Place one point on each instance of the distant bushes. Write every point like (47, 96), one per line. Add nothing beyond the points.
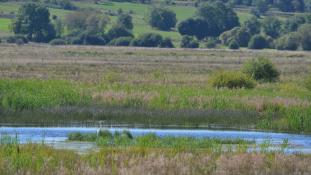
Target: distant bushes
(261, 69)
(148, 40)
(288, 42)
(122, 41)
(55, 42)
(258, 42)
(17, 39)
(231, 80)
(189, 42)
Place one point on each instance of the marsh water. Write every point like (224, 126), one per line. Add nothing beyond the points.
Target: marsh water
(57, 136)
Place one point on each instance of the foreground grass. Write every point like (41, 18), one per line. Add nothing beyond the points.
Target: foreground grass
(40, 159)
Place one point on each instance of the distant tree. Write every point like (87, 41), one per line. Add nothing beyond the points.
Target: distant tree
(219, 17)
(258, 42)
(288, 42)
(162, 18)
(252, 25)
(272, 26)
(293, 23)
(233, 44)
(148, 40)
(261, 6)
(92, 21)
(188, 42)
(167, 43)
(125, 20)
(117, 32)
(290, 5)
(238, 34)
(34, 22)
(305, 35)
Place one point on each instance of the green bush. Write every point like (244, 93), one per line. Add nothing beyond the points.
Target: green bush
(189, 42)
(261, 69)
(55, 42)
(234, 45)
(287, 42)
(122, 41)
(148, 40)
(167, 43)
(231, 79)
(16, 39)
(258, 42)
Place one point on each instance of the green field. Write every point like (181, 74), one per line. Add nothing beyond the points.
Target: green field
(4, 24)
(150, 86)
(140, 12)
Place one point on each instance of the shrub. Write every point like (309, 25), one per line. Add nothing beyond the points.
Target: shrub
(261, 69)
(305, 32)
(162, 18)
(231, 79)
(287, 42)
(125, 20)
(234, 45)
(148, 40)
(210, 43)
(15, 38)
(167, 43)
(55, 42)
(122, 41)
(258, 42)
(189, 42)
(117, 32)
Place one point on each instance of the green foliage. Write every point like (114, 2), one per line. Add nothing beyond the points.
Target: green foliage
(16, 38)
(34, 94)
(238, 34)
(34, 22)
(258, 42)
(162, 18)
(305, 35)
(252, 25)
(261, 69)
(290, 41)
(148, 40)
(62, 4)
(167, 43)
(272, 26)
(121, 41)
(234, 45)
(125, 20)
(231, 80)
(117, 32)
(55, 42)
(189, 42)
(85, 137)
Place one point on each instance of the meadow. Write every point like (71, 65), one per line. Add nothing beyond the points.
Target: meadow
(42, 84)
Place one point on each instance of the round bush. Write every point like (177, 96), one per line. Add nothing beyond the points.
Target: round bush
(167, 43)
(261, 69)
(287, 42)
(258, 42)
(231, 80)
(234, 45)
(122, 41)
(189, 42)
(148, 40)
(55, 42)
(17, 39)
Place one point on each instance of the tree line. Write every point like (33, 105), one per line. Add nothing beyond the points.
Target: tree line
(213, 24)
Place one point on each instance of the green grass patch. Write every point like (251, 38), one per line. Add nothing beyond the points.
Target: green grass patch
(33, 94)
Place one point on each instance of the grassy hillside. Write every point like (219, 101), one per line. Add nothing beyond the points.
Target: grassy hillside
(139, 14)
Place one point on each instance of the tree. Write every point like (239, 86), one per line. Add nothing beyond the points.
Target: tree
(288, 42)
(305, 35)
(258, 42)
(148, 40)
(125, 20)
(252, 25)
(261, 6)
(238, 34)
(195, 27)
(92, 21)
(34, 22)
(234, 44)
(117, 31)
(272, 26)
(188, 42)
(162, 18)
(219, 17)
(293, 23)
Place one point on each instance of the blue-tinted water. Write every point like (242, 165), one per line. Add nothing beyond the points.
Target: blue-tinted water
(54, 135)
